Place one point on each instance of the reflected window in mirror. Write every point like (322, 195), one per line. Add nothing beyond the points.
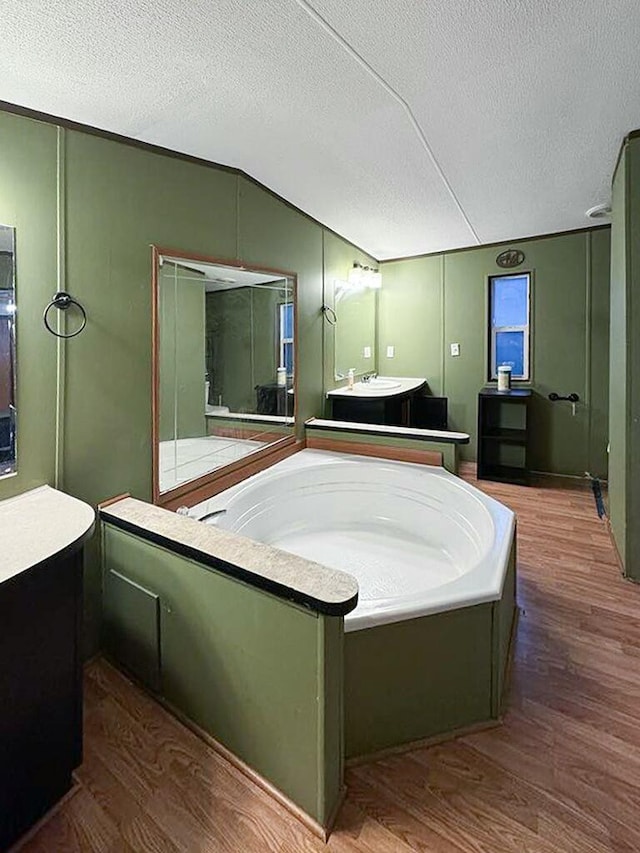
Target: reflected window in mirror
(285, 339)
(8, 422)
(224, 374)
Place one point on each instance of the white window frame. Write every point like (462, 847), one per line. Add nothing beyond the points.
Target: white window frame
(525, 328)
(282, 340)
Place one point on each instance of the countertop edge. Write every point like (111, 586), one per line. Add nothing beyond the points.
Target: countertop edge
(409, 433)
(249, 576)
(86, 528)
(411, 384)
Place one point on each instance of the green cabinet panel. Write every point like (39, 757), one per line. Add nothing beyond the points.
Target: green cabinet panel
(418, 678)
(261, 675)
(132, 626)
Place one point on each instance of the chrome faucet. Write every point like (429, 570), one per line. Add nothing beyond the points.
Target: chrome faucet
(367, 377)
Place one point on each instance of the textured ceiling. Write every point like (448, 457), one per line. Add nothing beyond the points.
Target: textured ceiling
(408, 126)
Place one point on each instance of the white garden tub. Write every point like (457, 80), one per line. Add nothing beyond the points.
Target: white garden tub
(418, 540)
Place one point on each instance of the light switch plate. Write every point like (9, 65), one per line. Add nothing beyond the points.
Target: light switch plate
(455, 349)
(366, 353)
(391, 351)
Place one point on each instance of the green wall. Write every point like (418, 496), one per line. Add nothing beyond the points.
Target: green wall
(28, 202)
(339, 257)
(624, 425)
(355, 329)
(430, 302)
(117, 201)
(181, 310)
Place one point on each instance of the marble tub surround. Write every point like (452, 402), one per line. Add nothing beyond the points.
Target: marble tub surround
(38, 525)
(390, 386)
(318, 587)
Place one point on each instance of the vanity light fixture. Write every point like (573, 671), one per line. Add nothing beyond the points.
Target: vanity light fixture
(363, 276)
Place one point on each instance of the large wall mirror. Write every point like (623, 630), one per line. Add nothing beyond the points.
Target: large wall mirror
(224, 371)
(8, 459)
(355, 329)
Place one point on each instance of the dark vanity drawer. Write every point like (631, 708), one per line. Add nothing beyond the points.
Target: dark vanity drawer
(388, 411)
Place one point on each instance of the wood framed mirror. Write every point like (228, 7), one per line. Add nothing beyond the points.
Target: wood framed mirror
(8, 411)
(224, 369)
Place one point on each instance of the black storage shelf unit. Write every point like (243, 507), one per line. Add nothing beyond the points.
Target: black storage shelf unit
(503, 435)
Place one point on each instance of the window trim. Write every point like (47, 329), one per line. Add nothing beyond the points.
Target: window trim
(282, 341)
(525, 329)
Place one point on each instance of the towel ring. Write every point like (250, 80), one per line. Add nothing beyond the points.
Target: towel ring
(63, 301)
(327, 310)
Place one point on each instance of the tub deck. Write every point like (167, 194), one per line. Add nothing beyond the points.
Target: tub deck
(572, 717)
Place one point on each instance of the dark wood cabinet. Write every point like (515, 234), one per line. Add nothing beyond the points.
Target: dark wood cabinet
(40, 654)
(40, 691)
(389, 411)
(274, 399)
(503, 435)
(418, 410)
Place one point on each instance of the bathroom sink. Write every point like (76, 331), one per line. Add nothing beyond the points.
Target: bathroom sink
(381, 384)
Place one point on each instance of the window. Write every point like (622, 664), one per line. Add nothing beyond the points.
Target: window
(509, 324)
(285, 336)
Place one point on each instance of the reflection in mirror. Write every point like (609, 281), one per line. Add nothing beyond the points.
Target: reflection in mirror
(225, 366)
(7, 352)
(355, 330)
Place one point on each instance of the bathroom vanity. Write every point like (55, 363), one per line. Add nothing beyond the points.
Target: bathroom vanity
(388, 400)
(42, 533)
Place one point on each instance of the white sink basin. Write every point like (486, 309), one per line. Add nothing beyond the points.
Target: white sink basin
(380, 384)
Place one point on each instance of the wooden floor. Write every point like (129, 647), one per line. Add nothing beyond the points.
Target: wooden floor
(562, 774)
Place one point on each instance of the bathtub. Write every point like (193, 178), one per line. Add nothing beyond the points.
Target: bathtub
(418, 539)
(426, 647)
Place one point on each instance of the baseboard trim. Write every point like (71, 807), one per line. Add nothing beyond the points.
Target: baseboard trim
(269, 788)
(310, 823)
(619, 560)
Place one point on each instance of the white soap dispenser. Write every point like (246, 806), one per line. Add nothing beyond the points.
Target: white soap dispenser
(351, 374)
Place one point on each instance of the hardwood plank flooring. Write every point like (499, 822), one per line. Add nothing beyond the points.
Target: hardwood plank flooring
(561, 774)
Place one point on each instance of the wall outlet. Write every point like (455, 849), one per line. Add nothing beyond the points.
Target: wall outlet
(391, 351)
(455, 349)
(366, 352)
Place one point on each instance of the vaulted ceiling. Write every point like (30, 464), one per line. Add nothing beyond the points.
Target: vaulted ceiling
(407, 126)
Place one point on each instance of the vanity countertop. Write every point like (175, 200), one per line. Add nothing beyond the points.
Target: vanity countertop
(379, 388)
(318, 587)
(39, 524)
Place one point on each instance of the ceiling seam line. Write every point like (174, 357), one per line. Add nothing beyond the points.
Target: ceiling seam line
(317, 17)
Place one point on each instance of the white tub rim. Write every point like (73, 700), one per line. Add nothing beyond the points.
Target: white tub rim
(488, 575)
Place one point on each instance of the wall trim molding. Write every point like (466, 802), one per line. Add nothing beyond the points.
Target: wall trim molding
(513, 242)
(69, 124)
